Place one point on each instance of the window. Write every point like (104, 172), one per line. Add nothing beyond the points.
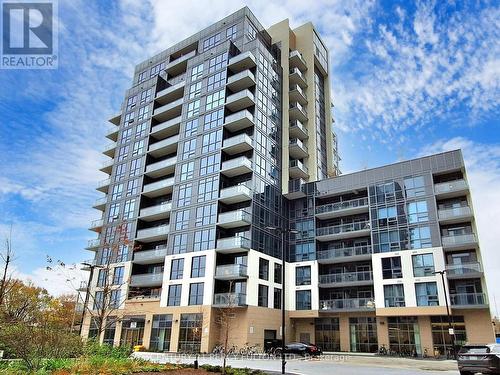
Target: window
(198, 266)
(187, 170)
(204, 239)
(174, 295)
(414, 186)
(114, 298)
(303, 275)
(157, 69)
(387, 215)
(143, 113)
(195, 90)
(132, 187)
(182, 220)
(126, 135)
(305, 251)
(206, 215)
(102, 278)
(189, 148)
(109, 331)
(394, 295)
(196, 294)
(252, 32)
(131, 102)
(277, 298)
(217, 80)
(120, 171)
(185, 192)
(214, 119)
(135, 167)
(420, 238)
(141, 77)
(193, 108)
(190, 333)
(231, 32)
(141, 130)
(303, 300)
(122, 254)
(105, 256)
(180, 244)
(161, 331)
(417, 212)
(209, 164)
(388, 241)
(391, 268)
(217, 62)
(423, 265)
(212, 141)
(263, 269)
(146, 96)
(263, 295)
(215, 100)
(123, 152)
(129, 117)
(277, 273)
(191, 127)
(118, 275)
(208, 189)
(177, 269)
(427, 294)
(129, 209)
(197, 72)
(98, 300)
(117, 192)
(211, 42)
(138, 148)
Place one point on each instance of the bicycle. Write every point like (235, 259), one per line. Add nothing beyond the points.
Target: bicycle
(382, 350)
(249, 349)
(218, 349)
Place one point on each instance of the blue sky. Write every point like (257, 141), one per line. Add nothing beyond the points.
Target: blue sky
(407, 79)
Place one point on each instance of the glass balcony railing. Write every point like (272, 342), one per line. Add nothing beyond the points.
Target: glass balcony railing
(460, 239)
(230, 299)
(343, 228)
(450, 213)
(338, 206)
(346, 277)
(147, 279)
(346, 304)
(150, 255)
(233, 243)
(450, 187)
(231, 270)
(468, 299)
(463, 269)
(344, 252)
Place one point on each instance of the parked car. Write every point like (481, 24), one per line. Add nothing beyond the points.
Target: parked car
(300, 348)
(479, 358)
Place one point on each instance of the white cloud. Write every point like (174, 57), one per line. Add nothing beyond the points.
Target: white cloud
(483, 173)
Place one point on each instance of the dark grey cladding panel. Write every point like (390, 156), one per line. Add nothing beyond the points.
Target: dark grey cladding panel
(438, 163)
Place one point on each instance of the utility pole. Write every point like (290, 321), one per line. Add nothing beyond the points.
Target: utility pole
(451, 331)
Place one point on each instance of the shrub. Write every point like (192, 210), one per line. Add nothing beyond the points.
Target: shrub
(92, 348)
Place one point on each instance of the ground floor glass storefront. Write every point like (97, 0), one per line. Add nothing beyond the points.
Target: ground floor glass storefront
(161, 332)
(440, 336)
(132, 330)
(404, 336)
(327, 332)
(190, 333)
(363, 334)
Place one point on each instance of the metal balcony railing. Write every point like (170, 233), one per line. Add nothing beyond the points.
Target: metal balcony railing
(468, 299)
(344, 252)
(338, 206)
(343, 228)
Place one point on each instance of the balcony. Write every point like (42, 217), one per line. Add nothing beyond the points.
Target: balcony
(100, 204)
(346, 254)
(231, 245)
(451, 189)
(109, 149)
(103, 185)
(167, 128)
(150, 256)
(297, 149)
(468, 300)
(164, 147)
(350, 207)
(107, 166)
(93, 245)
(179, 65)
(168, 111)
(112, 133)
(298, 130)
(237, 144)
(296, 189)
(161, 211)
(171, 93)
(96, 225)
(240, 81)
(464, 271)
(153, 234)
(243, 61)
(240, 100)
(296, 94)
(83, 287)
(231, 272)
(346, 279)
(454, 215)
(459, 242)
(297, 169)
(161, 168)
(336, 232)
(236, 167)
(238, 121)
(347, 304)
(297, 78)
(156, 189)
(147, 280)
(230, 300)
(235, 194)
(234, 219)
(297, 60)
(297, 112)
(116, 119)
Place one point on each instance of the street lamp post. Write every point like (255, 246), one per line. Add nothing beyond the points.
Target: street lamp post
(283, 232)
(450, 327)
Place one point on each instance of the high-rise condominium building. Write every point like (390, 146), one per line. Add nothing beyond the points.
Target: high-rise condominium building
(229, 133)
